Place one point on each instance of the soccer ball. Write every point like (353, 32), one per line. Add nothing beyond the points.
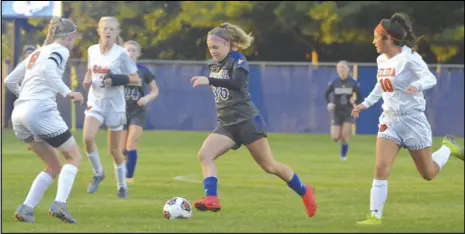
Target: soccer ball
(177, 208)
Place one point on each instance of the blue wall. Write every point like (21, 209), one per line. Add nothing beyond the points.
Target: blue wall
(289, 97)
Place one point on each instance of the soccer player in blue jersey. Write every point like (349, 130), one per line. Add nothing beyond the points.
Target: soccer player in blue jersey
(136, 102)
(342, 90)
(238, 120)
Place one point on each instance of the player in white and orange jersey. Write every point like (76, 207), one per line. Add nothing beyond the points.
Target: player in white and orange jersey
(402, 78)
(109, 69)
(37, 121)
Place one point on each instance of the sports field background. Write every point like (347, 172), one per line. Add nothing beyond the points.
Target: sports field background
(252, 200)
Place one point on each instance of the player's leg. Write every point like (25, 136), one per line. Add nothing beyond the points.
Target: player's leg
(47, 124)
(53, 130)
(387, 147)
(92, 122)
(25, 212)
(419, 141)
(136, 128)
(252, 134)
(215, 145)
(115, 122)
(346, 132)
(336, 125)
(124, 139)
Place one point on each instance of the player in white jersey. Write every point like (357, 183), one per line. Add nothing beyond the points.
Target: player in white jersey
(402, 78)
(37, 121)
(109, 69)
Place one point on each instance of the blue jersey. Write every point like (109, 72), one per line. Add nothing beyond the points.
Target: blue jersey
(342, 91)
(134, 92)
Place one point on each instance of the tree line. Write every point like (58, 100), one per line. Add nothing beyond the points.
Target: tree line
(283, 31)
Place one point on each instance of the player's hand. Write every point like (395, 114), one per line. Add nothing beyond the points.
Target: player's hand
(330, 107)
(76, 97)
(412, 90)
(199, 80)
(142, 101)
(107, 82)
(357, 109)
(86, 84)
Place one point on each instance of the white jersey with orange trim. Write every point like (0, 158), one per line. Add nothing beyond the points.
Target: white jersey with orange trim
(118, 62)
(394, 76)
(40, 74)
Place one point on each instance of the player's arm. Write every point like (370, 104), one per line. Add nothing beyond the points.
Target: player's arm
(16, 76)
(358, 97)
(88, 76)
(426, 79)
(149, 79)
(328, 91)
(50, 68)
(239, 74)
(129, 67)
(374, 96)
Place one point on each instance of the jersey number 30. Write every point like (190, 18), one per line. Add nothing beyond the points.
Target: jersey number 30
(386, 85)
(220, 93)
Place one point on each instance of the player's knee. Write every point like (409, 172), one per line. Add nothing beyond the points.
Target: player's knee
(428, 175)
(88, 140)
(269, 167)
(115, 151)
(53, 170)
(382, 171)
(335, 137)
(345, 139)
(70, 151)
(204, 156)
(131, 144)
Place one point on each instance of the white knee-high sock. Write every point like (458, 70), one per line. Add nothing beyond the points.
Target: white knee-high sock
(120, 172)
(65, 182)
(378, 196)
(441, 156)
(94, 160)
(38, 188)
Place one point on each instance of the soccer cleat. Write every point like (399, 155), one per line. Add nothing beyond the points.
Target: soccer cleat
(25, 214)
(211, 203)
(58, 210)
(371, 220)
(455, 148)
(130, 180)
(95, 182)
(309, 201)
(343, 158)
(123, 192)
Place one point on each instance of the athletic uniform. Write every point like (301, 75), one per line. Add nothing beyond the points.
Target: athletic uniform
(135, 114)
(342, 91)
(36, 117)
(403, 119)
(35, 114)
(108, 105)
(237, 116)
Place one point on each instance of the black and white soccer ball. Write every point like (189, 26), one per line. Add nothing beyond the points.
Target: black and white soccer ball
(177, 208)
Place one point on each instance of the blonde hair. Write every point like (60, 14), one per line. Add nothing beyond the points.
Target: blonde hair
(59, 28)
(344, 62)
(234, 34)
(119, 40)
(134, 43)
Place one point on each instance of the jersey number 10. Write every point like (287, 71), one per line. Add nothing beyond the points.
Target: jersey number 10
(386, 85)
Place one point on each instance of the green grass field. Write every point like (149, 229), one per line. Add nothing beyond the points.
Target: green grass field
(252, 200)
